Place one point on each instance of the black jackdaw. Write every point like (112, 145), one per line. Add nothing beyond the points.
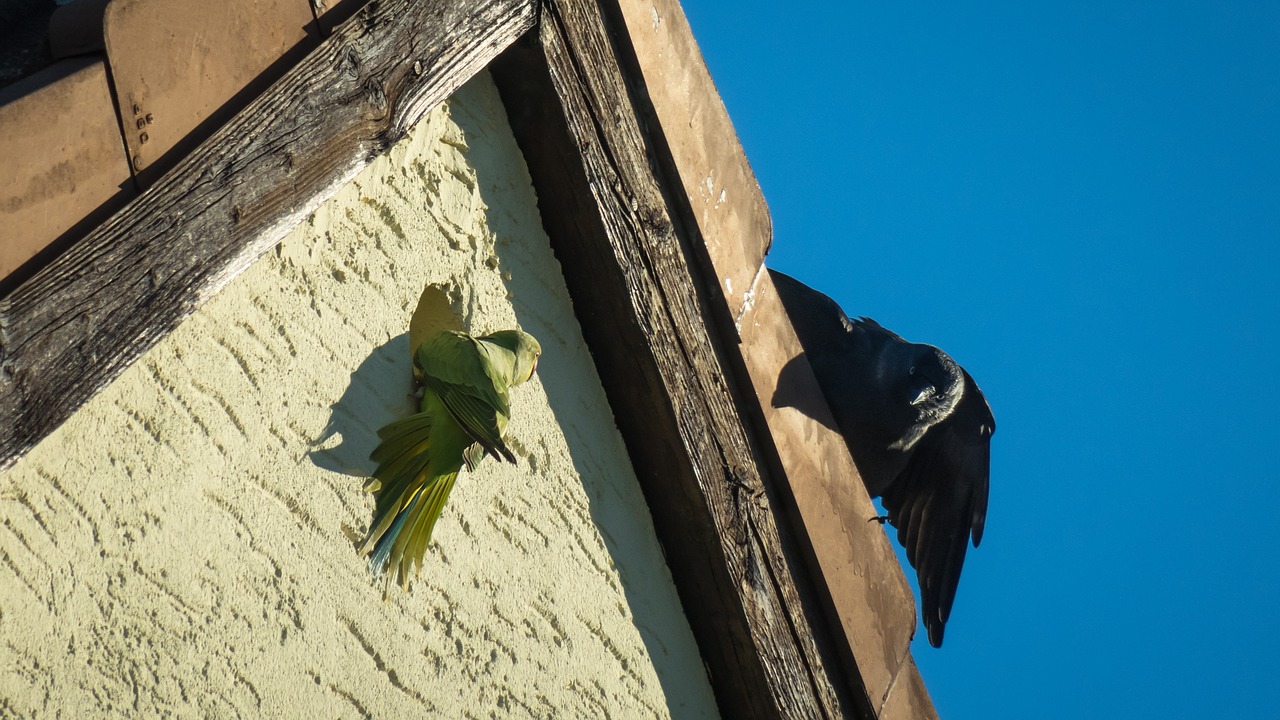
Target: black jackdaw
(918, 427)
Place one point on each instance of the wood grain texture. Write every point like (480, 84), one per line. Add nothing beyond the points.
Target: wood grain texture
(78, 323)
(644, 309)
(852, 564)
(725, 200)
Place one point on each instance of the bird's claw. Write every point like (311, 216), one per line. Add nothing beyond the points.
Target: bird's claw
(882, 519)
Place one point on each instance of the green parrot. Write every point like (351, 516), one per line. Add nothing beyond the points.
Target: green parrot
(462, 418)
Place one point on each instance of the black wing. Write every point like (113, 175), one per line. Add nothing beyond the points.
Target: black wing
(939, 502)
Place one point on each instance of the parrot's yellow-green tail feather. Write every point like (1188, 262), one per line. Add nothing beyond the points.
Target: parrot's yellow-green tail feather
(409, 545)
(403, 460)
(409, 499)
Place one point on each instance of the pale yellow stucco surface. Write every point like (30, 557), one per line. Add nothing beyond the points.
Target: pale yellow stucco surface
(185, 544)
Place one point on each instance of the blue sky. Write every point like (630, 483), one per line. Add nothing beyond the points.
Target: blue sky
(1081, 203)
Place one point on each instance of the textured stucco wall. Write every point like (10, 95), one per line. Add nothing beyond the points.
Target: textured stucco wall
(186, 542)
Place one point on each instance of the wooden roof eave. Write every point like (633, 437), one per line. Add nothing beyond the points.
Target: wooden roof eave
(663, 329)
(799, 611)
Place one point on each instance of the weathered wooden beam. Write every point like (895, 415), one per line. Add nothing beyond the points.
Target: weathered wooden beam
(722, 195)
(75, 325)
(613, 218)
(853, 569)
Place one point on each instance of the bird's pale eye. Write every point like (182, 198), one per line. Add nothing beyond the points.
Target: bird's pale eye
(912, 371)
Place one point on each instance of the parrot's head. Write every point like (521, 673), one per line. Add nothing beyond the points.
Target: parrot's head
(526, 349)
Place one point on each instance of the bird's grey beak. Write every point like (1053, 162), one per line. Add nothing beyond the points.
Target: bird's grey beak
(925, 392)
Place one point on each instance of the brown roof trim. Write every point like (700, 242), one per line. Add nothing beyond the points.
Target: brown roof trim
(799, 607)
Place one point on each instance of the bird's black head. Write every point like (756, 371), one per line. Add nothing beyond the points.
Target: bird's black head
(928, 389)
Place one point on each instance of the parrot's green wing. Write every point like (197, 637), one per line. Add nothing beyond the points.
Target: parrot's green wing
(471, 378)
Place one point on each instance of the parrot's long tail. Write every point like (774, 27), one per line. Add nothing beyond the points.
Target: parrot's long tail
(400, 549)
(411, 494)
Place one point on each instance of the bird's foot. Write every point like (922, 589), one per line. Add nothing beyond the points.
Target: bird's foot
(882, 519)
